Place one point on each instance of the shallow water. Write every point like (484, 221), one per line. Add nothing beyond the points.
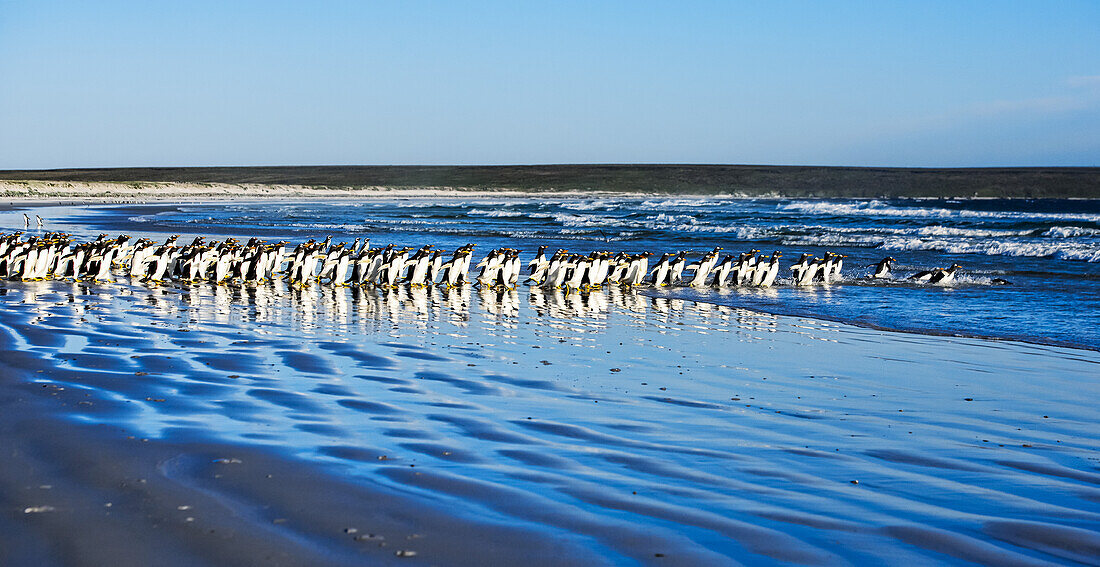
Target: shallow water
(638, 428)
(1048, 250)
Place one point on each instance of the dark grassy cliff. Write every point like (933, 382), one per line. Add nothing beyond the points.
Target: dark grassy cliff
(794, 181)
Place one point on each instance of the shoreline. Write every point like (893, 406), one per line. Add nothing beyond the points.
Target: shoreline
(666, 179)
(24, 192)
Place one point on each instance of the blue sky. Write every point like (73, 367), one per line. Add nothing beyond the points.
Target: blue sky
(139, 83)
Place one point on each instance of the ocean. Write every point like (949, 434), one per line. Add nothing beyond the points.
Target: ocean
(1048, 250)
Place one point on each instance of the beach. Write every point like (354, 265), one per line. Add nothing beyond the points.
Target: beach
(193, 423)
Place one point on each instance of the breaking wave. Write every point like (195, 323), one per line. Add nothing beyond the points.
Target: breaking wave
(882, 209)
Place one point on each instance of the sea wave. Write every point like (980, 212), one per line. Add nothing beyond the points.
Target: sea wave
(666, 204)
(879, 208)
(495, 213)
(1070, 232)
(1061, 251)
(671, 218)
(939, 230)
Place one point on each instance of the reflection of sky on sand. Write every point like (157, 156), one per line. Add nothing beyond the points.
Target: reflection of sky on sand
(699, 425)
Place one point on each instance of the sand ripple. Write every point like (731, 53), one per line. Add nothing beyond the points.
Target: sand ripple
(635, 428)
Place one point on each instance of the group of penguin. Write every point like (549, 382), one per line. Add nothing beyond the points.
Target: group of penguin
(56, 255)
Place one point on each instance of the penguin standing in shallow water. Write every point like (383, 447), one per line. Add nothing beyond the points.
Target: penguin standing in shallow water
(772, 270)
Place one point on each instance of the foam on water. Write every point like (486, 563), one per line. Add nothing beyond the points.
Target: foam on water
(879, 208)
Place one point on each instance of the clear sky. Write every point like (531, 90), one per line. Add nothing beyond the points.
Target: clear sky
(153, 83)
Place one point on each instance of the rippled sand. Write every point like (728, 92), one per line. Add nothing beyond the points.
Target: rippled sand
(267, 424)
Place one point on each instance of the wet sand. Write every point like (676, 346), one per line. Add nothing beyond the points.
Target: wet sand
(263, 424)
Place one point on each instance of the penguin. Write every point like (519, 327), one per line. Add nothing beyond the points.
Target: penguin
(340, 273)
(676, 269)
(452, 273)
(38, 219)
(772, 270)
(601, 267)
(838, 265)
(809, 273)
(539, 266)
(882, 268)
(580, 269)
(539, 261)
(702, 270)
(639, 266)
(924, 276)
(328, 267)
(467, 254)
(759, 271)
(26, 221)
(825, 272)
(746, 266)
(490, 265)
(509, 274)
(946, 276)
(557, 270)
(435, 264)
(661, 271)
(722, 271)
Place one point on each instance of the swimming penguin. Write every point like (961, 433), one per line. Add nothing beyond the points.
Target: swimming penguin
(26, 221)
(882, 268)
(946, 276)
(924, 276)
(38, 219)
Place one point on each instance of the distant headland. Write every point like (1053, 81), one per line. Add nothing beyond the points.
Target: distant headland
(738, 180)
